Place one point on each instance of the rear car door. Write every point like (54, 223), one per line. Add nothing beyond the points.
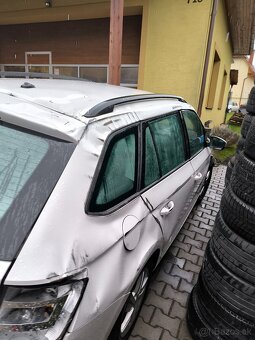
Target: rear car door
(167, 174)
(200, 154)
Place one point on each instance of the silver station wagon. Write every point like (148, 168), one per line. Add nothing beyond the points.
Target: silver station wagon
(95, 183)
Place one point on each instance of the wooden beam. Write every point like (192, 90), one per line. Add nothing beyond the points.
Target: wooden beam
(115, 44)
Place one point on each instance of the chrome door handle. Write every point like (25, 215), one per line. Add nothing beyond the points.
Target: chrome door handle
(167, 209)
(198, 176)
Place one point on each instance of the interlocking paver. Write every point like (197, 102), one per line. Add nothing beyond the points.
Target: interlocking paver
(163, 315)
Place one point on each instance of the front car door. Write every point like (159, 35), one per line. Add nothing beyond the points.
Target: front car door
(200, 154)
(167, 179)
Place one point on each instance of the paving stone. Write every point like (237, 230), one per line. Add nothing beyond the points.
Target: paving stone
(176, 271)
(185, 286)
(197, 251)
(189, 233)
(168, 278)
(167, 336)
(198, 230)
(147, 310)
(163, 321)
(174, 250)
(194, 243)
(200, 261)
(157, 301)
(178, 311)
(208, 233)
(180, 237)
(184, 333)
(183, 246)
(201, 238)
(206, 226)
(192, 267)
(174, 294)
(178, 261)
(146, 331)
(183, 254)
(157, 287)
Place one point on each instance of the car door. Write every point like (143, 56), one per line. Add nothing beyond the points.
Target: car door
(167, 174)
(200, 154)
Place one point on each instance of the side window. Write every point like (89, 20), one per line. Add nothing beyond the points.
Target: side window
(117, 179)
(151, 166)
(195, 131)
(169, 143)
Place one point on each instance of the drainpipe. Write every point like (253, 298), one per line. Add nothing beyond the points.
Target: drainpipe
(242, 91)
(207, 55)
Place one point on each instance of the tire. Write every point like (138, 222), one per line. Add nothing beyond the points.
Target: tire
(240, 145)
(250, 107)
(230, 166)
(125, 323)
(237, 295)
(246, 124)
(210, 320)
(234, 252)
(238, 215)
(243, 179)
(249, 149)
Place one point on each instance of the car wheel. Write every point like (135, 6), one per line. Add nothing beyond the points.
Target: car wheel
(126, 321)
(205, 186)
(240, 145)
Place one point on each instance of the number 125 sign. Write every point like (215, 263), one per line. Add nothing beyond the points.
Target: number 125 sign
(193, 1)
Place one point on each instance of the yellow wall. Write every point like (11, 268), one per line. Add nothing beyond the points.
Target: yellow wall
(245, 81)
(222, 45)
(174, 37)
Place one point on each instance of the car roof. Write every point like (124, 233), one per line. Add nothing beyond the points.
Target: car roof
(61, 108)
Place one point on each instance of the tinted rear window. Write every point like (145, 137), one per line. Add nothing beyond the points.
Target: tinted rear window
(30, 166)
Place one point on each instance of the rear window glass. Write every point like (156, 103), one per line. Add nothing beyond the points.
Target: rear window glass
(20, 155)
(30, 166)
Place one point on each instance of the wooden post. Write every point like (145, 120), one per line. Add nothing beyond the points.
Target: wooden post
(115, 44)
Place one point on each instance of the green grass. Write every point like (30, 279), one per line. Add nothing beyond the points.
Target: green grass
(225, 155)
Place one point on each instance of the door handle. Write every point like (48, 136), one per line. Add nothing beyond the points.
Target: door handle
(167, 209)
(198, 176)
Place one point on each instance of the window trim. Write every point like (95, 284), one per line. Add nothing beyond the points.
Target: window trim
(101, 166)
(187, 135)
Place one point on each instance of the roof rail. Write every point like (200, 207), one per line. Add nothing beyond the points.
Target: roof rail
(108, 105)
(10, 74)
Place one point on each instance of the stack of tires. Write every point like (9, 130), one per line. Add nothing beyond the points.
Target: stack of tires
(244, 131)
(222, 304)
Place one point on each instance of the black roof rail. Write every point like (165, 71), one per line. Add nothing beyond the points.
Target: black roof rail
(108, 105)
(11, 74)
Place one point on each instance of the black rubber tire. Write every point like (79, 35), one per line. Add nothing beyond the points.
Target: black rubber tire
(231, 291)
(235, 325)
(230, 166)
(116, 331)
(239, 216)
(246, 124)
(241, 144)
(208, 319)
(250, 107)
(234, 252)
(249, 148)
(243, 179)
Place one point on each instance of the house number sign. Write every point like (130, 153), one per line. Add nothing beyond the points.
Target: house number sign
(194, 1)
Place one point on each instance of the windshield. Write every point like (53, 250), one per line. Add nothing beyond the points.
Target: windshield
(30, 165)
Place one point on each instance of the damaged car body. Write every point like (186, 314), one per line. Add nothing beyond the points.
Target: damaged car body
(95, 183)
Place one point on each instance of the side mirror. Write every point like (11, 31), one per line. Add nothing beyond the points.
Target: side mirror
(217, 143)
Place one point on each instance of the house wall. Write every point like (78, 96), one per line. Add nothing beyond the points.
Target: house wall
(173, 45)
(222, 46)
(71, 42)
(240, 92)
